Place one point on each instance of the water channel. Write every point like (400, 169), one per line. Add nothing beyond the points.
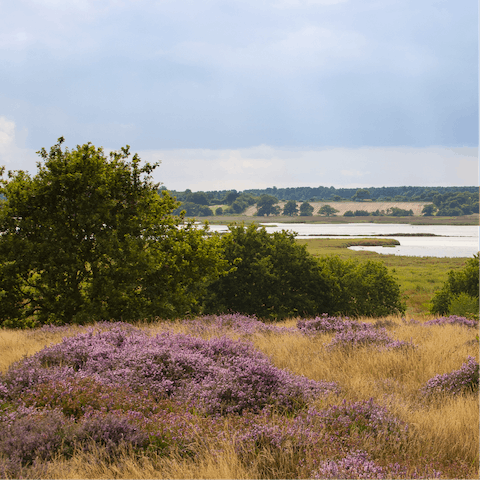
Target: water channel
(439, 240)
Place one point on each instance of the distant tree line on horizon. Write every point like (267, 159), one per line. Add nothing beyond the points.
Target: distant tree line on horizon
(446, 201)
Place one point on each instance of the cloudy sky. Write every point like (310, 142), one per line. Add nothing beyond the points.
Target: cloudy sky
(248, 93)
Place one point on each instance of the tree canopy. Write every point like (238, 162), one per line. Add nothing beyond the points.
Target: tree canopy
(266, 205)
(327, 210)
(290, 208)
(89, 237)
(306, 210)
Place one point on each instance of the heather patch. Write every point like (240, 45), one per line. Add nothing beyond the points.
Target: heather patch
(350, 333)
(233, 323)
(465, 379)
(453, 320)
(358, 464)
(364, 418)
(367, 337)
(217, 375)
(325, 324)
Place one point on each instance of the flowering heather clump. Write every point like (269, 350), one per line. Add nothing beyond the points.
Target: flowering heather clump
(453, 320)
(464, 379)
(28, 434)
(111, 430)
(359, 465)
(366, 337)
(240, 324)
(217, 375)
(329, 324)
(364, 418)
(78, 396)
(350, 332)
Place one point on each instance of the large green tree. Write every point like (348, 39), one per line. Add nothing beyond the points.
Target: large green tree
(89, 237)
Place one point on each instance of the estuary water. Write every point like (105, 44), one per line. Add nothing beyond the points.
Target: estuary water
(443, 240)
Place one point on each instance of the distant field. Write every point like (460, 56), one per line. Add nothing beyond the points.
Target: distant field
(343, 207)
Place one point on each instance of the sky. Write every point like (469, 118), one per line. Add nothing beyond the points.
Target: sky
(239, 94)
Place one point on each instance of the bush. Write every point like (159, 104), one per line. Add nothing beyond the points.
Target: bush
(361, 289)
(271, 276)
(460, 282)
(464, 305)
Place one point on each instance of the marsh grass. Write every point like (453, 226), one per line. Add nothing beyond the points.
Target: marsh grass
(443, 431)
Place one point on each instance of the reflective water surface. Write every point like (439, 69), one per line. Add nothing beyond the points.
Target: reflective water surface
(449, 240)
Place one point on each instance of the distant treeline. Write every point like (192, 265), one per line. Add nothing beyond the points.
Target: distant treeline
(312, 194)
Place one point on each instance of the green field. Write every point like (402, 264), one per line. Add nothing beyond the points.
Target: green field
(419, 277)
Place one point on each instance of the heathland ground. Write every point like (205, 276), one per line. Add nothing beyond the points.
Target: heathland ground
(428, 436)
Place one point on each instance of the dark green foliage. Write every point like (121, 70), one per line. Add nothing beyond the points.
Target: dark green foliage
(311, 194)
(199, 198)
(361, 289)
(193, 210)
(290, 208)
(306, 210)
(460, 282)
(327, 210)
(89, 237)
(429, 210)
(274, 276)
(361, 194)
(266, 206)
(455, 204)
(399, 212)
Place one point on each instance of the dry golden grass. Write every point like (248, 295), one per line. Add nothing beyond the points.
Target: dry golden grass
(443, 429)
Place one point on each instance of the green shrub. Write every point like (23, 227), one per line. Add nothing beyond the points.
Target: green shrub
(464, 305)
(464, 281)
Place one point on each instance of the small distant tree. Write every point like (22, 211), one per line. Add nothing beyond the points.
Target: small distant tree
(306, 210)
(219, 211)
(290, 208)
(349, 213)
(327, 210)
(199, 198)
(230, 197)
(266, 206)
(361, 194)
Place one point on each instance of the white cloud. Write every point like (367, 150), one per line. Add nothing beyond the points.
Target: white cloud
(13, 155)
